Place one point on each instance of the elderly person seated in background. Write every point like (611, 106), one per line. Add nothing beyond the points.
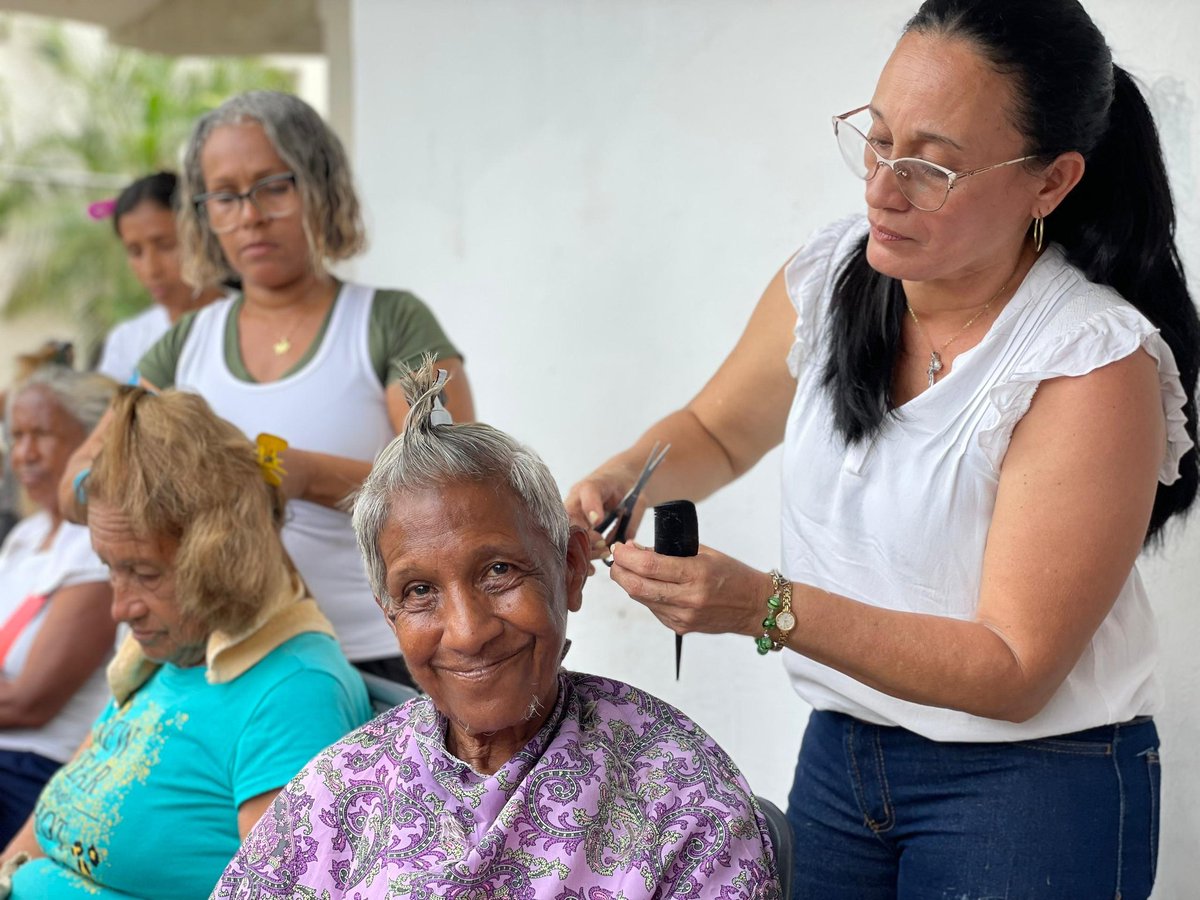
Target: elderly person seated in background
(229, 682)
(55, 628)
(514, 777)
(62, 353)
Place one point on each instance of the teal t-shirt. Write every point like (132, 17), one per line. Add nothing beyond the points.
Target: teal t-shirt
(150, 809)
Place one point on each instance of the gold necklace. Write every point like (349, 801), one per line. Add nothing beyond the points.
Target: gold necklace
(284, 344)
(935, 353)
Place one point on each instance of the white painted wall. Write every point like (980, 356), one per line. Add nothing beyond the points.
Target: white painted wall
(592, 194)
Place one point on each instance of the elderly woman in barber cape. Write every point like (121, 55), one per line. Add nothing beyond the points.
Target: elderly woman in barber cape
(513, 777)
(229, 682)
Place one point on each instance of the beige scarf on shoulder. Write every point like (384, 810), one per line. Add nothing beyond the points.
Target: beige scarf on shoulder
(289, 612)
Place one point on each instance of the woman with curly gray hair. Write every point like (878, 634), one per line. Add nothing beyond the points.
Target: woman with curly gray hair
(268, 198)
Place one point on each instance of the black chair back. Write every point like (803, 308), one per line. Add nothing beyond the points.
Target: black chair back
(781, 837)
(385, 694)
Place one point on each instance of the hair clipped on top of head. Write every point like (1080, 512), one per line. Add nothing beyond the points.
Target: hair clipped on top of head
(431, 452)
(427, 410)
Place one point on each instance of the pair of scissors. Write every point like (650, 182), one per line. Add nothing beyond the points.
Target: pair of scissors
(622, 513)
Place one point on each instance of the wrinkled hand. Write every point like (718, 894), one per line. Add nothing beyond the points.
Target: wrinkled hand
(8, 869)
(590, 499)
(709, 593)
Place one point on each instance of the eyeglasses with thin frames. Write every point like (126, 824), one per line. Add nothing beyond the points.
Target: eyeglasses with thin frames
(924, 184)
(274, 197)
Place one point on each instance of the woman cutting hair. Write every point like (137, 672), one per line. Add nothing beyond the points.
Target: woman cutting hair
(984, 388)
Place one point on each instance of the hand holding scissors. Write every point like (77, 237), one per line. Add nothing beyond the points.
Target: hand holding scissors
(622, 513)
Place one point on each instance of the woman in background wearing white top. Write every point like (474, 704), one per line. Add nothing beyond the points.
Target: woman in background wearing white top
(984, 391)
(55, 626)
(298, 354)
(144, 219)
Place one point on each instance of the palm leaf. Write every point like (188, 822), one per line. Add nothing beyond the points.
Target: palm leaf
(135, 113)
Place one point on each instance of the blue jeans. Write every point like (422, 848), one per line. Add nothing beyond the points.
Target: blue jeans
(884, 813)
(22, 777)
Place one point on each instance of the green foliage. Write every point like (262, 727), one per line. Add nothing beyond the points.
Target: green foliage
(132, 112)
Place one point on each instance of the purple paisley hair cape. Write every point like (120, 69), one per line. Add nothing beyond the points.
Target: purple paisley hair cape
(619, 796)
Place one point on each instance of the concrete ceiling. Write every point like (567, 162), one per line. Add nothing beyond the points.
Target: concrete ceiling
(194, 27)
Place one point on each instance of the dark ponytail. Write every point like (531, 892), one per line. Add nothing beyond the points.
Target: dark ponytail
(1117, 226)
(865, 319)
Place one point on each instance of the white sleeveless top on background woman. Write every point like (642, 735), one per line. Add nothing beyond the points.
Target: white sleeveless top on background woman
(901, 521)
(335, 404)
(27, 569)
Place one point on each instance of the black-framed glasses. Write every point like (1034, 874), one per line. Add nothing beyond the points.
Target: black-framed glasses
(274, 197)
(924, 184)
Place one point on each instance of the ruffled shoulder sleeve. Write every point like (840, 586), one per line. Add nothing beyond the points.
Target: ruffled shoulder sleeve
(809, 276)
(1092, 330)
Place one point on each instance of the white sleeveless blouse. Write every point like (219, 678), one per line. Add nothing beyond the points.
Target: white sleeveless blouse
(901, 521)
(334, 404)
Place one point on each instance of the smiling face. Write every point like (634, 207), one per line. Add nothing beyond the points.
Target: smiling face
(939, 100)
(479, 604)
(142, 574)
(269, 253)
(148, 234)
(44, 436)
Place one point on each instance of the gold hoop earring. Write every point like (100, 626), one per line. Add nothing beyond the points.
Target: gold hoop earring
(1039, 233)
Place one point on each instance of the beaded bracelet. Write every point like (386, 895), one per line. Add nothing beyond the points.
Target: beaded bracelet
(779, 615)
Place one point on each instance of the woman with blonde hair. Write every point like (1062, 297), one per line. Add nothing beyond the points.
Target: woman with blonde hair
(225, 648)
(268, 198)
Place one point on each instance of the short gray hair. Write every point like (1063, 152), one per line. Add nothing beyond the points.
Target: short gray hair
(84, 396)
(332, 215)
(427, 455)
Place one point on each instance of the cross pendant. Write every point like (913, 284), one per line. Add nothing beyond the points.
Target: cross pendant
(935, 366)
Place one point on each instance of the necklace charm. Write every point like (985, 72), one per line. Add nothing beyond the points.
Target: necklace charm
(935, 352)
(284, 344)
(935, 366)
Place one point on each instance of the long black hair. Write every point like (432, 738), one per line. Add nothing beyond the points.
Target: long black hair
(161, 189)
(1117, 226)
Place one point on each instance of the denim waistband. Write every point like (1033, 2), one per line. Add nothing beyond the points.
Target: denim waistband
(1102, 733)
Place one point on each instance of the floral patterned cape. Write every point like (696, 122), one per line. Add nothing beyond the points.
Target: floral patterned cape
(619, 796)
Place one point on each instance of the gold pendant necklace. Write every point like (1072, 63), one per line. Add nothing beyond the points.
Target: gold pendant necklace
(284, 344)
(935, 353)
